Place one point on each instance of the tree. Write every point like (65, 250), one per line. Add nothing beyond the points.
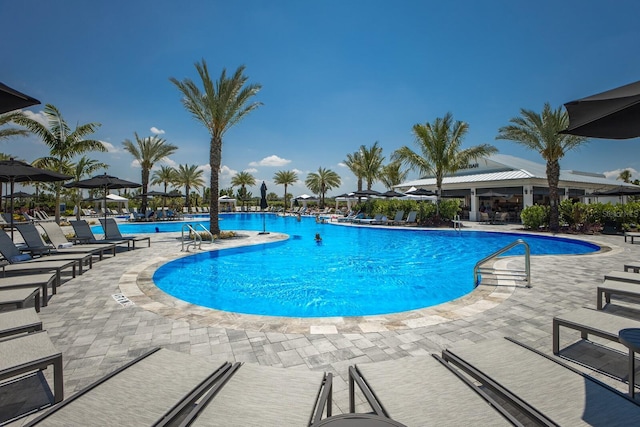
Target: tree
(166, 176)
(354, 163)
(82, 168)
(243, 179)
(321, 182)
(372, 159)
(541, 132)
(190, 177)
(6, 133)
(625, 176)
(392, 175)
(64, 144)
(147, 151)
(285, 178)
(218, 107)
(440, 153)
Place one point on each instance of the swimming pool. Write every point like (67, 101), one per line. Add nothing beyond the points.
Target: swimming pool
(355, 271)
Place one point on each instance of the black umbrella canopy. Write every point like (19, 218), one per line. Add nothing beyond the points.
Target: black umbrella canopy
(11, 99)
(421, 192)
(154, 193)
(614, 114)
(366, 193)
(17, 171)
(391, 193)
(263, 196)
(106, 183)
(18, 195)
(621, 190)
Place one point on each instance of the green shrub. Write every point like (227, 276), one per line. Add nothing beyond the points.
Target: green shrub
(534, 217)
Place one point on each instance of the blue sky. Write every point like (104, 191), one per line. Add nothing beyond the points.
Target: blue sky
(335, 74)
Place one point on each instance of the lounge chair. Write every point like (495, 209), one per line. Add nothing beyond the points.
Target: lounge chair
(266, 396)
(85, 235)
(376, 218)
(349, 217)
(632, 266)
(153, 389)
(36, 245)
(631, 235)
(31, 352)
(60, 242)
(591, 322)
(397, 218)
(622, 276)
(112, 232)
(27, 281)
(411, 218)
(422, 390)
(615, 287)
(542, 387)
(20, 297)
(18, 322)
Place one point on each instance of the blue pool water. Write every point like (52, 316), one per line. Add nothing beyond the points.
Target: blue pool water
(355, 271)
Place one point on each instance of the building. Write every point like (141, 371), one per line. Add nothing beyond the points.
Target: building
(508, 183)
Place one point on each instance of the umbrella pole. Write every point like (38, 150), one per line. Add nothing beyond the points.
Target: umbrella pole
(11, 212)
(104, 210)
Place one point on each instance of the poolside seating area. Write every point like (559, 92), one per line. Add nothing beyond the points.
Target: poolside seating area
(406, 383)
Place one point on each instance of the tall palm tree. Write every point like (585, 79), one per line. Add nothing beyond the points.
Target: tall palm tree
(285, 178)
(321, 182)
(82, 168)
(625, 176)
(355, 164)
(217, 107)
(243, 179)
(392, 175)
(190, 177)
(541, 132)
(440, 153)
(64, 144)
(5, 133)
(372, 159)
(147, 151)
(166, 176)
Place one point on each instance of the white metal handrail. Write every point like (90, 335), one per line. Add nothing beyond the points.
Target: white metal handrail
(206, 232)
(196, 241)
(527, 260)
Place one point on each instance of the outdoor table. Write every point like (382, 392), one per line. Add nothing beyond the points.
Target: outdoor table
(630, 337)
(359, 420)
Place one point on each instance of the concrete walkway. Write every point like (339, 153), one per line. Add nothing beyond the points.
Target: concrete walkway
(97, 332)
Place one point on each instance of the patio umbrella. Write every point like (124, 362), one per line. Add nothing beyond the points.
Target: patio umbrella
(17, 195)
(13, 171)
(391, 193)
(613, 114)
(366, 193)
(11, 99)
(621, 190)
(263, 206)
(106, 183)
(420, 192)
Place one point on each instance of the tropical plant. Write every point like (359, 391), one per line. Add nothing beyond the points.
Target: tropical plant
(242, 180)
(164, 176)
(321, 182)
(84, 167)
(541, 132)
(64, 144)
(392, 175)
(285, 178)
(355, 164)
(440, 150)
(625, 176)
(534, 217)
(190, 177)
(372, 159)
(147, 151)
(217, 107)
(6, 133)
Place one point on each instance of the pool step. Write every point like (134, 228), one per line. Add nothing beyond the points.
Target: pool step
(492, 276)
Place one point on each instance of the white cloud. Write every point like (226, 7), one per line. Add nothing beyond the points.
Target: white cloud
(342, 165)
(110, 147)
(156, 130)
(227, 172)
(38, 117)
(169, 162)
(135, 163)
(297, 171)
(251, 170)
(272, 160)
(206, 169)
(615, 173)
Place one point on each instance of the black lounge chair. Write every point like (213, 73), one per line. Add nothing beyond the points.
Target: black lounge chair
(112, 232)
(154, 389)
(85, 235)
(28, 281)
(60, 242)
(19, 322)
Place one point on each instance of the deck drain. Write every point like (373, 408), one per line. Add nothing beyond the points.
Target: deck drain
(122, 300)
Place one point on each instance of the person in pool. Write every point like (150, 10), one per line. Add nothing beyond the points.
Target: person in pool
(318, 238)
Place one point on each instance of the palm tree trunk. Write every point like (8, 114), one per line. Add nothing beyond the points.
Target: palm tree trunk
(215, 158)
(285, 196)
(145, 186)
(553, 176)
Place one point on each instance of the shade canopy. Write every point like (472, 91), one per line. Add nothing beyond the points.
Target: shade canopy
(11, 99)
(263, 196)
(366, 193)
(621, 190)
(391, 193)
(420, 192)
(614, 114)
(18, 195)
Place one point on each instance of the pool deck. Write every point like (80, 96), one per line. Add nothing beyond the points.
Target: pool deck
(96, 333)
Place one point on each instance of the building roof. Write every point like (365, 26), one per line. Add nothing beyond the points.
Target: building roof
(502, 167)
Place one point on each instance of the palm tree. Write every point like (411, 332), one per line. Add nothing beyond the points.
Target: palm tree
(355, 164)
(371, 163)
(285, 178)
(83, 167)
(5, 119)
(189, 176)
(625, 176)
(321, 182)
(541, 132)
(440, 149)
(166, 176)
(147, 151)
(63, 143)
(392, 175)
(220, 106)
(243, 179)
